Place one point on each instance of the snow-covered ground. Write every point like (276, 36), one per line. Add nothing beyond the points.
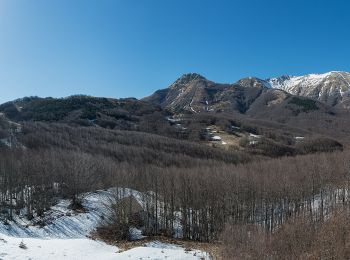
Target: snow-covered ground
(54, 249)
(61, 222)
(65, 235)
(86, 249)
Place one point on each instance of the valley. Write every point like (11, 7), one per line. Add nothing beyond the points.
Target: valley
(185, 173)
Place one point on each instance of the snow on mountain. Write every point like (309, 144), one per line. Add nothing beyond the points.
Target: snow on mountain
(331, 87)
(289, 82)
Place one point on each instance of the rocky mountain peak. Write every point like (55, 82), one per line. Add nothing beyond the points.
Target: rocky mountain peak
(187, 78)
(253, 82)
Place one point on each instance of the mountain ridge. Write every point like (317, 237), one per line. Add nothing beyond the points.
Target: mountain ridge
(331, 88)
(194, 93)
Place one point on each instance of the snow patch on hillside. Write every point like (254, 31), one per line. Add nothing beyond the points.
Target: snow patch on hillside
(72, 249)
(61, 222)
(43, 249)
(65, 234)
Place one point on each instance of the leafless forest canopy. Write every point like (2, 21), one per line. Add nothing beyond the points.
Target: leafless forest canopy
(276, 199)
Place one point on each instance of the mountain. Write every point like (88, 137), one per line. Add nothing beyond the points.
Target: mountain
(263, 105)
(82, 110)
(193, 108)
(195, 94)
(332, 88)
(192, 93)
(69, 166)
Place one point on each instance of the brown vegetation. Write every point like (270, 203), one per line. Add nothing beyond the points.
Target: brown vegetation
(212, 193)
(299, 238)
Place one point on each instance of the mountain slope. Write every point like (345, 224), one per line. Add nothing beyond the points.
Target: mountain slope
(195, 94)
(124, 113)
(252, 102)
(191, 104)
(332, 88)
(192, 93)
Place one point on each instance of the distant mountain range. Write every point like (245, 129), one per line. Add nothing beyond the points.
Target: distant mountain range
(315, 104)
(251, 96)
(194, 93)
(279, 99)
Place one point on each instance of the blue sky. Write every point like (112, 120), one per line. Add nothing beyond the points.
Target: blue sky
(122, 48)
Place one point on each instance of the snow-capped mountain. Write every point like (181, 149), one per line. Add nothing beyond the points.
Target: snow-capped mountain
(194, 93)
(332, 88)
(251, 96)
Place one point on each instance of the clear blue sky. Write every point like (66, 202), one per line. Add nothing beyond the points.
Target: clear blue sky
(122, 48)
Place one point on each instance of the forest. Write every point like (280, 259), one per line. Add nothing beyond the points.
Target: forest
(229, 197)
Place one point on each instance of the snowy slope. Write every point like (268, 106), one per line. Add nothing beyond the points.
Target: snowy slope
(55, 249)
(86, 249)
(65, 234)
(62, 222)
(331, 87)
